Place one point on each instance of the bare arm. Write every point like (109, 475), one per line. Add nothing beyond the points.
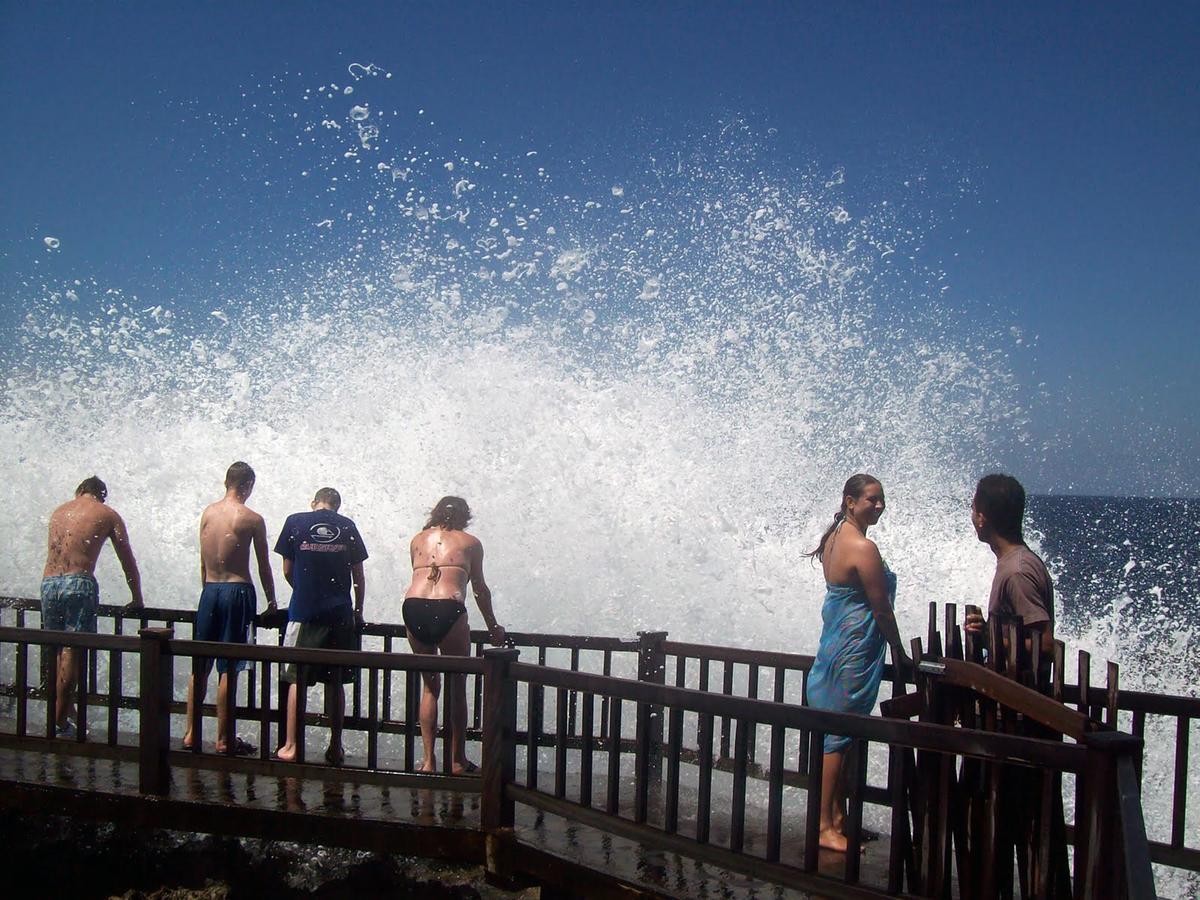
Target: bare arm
(869, 566)
(288, 566)
(483, 598)
(264, 562)
(360, 590)
(203, 570)
(120, 542)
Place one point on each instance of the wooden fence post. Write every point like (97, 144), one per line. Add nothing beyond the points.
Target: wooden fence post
(652, 668)
(1098, 831)
(157, 684)
(497, 812)
(499, 766)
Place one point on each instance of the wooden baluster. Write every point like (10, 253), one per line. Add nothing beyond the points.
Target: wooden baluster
(1060, 661)
(264, 711)
(301, 710)
(560, 741)
(737, 813)
(573, 713)
(82, 671)
(412, 694)
(752, 692)
(373, 718)
(1113, 694)
(197, 724)
(115, 684)
(812, 821)
(448, 691)
(23, 688)
(613, 803)
(604, 701)
(477, 713)
(775, 785)
(674, 748)
(727, 690)
(704, 778)
(1179, 794)
(1085, 682)
(585, 751)
(856, 773)
(387, 681)
(534, 707)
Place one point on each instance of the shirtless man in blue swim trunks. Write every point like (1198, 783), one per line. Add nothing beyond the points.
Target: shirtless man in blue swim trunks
(228, 529)
(70, 594)
(445, 559)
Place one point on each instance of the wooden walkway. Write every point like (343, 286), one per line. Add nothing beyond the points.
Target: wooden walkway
(316, 804)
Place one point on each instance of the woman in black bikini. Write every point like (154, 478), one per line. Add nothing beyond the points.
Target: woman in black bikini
(445, 559)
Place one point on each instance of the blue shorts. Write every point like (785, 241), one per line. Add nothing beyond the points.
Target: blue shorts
(69, 602)
(225, 613)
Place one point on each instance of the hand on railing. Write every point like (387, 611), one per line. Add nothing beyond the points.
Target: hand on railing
(133, 606)
(498, 636)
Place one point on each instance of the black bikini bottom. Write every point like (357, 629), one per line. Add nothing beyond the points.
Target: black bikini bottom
(429, 621)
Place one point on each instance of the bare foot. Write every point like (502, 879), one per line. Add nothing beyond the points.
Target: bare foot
(832, 839)
(428, 767)
(286, 754)
(466, 767)
(335, 756)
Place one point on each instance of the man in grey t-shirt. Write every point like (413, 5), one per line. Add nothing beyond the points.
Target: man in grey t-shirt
(1022, 585)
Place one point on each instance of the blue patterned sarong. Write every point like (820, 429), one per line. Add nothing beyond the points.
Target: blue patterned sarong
(849, 666)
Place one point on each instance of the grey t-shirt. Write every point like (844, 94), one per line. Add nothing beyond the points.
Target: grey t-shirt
(1022, 587)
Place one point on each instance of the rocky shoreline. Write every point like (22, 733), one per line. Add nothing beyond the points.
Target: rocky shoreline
(56, 856)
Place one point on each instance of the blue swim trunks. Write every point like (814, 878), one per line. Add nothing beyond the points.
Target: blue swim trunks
(69, 602)
(225, 613)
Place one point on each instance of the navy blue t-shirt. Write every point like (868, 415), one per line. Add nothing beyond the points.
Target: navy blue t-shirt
(322, 546)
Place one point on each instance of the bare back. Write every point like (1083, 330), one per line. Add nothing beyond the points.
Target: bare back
(847, 554)
(227, 532)
(78, 530)
(444, 563)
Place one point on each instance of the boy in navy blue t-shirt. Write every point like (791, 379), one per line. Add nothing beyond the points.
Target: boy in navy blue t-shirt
(322, 555)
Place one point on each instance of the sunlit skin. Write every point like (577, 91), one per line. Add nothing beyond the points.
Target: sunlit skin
(77, 532)
(459, 560)
(852, 559)
(228, 531)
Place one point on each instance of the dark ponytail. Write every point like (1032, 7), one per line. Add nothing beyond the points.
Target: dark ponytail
(854, 487)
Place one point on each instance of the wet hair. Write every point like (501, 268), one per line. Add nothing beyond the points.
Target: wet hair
(239, 475)
(328, 496)
(1001, 499)
(93, 486)
(855, 487)
(451, 513)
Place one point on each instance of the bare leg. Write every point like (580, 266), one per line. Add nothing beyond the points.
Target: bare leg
(832, 799)
(431, 689)
(458, 643)
(223, 708)
(288, 751)
(196, 693)
(68, 672)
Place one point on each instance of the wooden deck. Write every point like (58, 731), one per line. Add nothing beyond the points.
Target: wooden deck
(315, 804)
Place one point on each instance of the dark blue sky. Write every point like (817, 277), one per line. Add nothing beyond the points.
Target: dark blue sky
(1076, 127)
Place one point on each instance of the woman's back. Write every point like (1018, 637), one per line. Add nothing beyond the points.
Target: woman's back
(442, 561)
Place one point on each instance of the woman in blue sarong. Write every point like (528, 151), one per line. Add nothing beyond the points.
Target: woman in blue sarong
(857, 624)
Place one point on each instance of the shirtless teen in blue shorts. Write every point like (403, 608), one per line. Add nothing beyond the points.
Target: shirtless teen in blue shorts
(70, 594)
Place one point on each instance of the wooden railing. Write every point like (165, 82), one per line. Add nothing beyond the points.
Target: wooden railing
(734, 731)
